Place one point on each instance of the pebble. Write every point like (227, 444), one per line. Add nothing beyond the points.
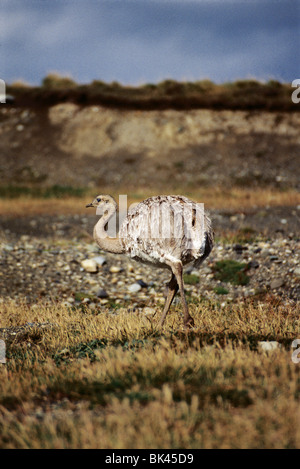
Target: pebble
(253, 265)
(100, 260)
(297, 271)
(89, 265)
(134, 288)
(8, 247)
(276, 283)
(149, 311)
(142, 283)
(114, 269)
(70, 299)
(239, 248)
(101, 293)
(269, 346)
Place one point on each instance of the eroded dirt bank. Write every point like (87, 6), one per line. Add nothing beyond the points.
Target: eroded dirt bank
(94, 146)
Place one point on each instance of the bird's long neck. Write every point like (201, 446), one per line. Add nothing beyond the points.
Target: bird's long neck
(100, 234)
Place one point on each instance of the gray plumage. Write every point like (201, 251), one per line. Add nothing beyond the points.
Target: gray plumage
(167, 231)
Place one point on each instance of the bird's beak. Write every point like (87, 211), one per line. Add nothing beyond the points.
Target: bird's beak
(89, 205)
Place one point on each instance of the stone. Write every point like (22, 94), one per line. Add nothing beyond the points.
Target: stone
(134, 288)
(297, 271)
(269, 346)
(101, 293)
(149, 311)
(89, 265)
(239, 248)
(100, 260)
(276, 283)
(114, 269)
(142, 283)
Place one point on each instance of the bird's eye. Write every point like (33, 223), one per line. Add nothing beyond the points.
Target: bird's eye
(98, 199)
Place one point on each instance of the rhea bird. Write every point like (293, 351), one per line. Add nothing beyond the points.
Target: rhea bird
(166, 231)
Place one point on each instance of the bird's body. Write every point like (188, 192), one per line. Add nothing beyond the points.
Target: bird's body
(164, 231)
(161, 228)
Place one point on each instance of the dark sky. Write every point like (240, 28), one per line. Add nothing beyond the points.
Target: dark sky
(143, 41)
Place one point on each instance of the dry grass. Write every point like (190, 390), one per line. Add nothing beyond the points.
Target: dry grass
(100, 380)
(214, 198)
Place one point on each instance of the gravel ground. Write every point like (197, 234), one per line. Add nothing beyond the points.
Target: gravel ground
(43, 258)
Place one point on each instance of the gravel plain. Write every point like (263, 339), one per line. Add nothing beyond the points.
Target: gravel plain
(55, 258)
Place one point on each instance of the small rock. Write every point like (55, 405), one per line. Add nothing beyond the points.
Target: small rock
(67, 304)
(273, 258)
(134, 288)
(114, 269)
(253, 264)
(102, 293)
(89, 265)
(239, 248)
(276, 283)
(149, 311)
(100, 260)
(269, 346)
(104, 301)
(8, 247)
(70, 299)
(297, 271)
(142, 283)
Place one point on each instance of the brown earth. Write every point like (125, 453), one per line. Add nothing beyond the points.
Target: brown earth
(94, 147)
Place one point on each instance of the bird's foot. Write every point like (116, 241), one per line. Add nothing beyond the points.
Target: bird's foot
(189, 322)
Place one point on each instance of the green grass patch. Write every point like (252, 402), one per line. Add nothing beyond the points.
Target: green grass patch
(190, 279)
(231, 271)
(221, 291)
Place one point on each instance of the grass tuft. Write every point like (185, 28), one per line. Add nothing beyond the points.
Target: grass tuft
(231, 271)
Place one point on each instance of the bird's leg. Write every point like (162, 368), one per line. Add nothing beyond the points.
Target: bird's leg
(177, 271)
(172, 290)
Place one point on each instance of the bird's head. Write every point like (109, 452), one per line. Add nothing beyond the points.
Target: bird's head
(103, 203)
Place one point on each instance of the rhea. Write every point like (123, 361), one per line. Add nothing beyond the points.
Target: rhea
(166, 231)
